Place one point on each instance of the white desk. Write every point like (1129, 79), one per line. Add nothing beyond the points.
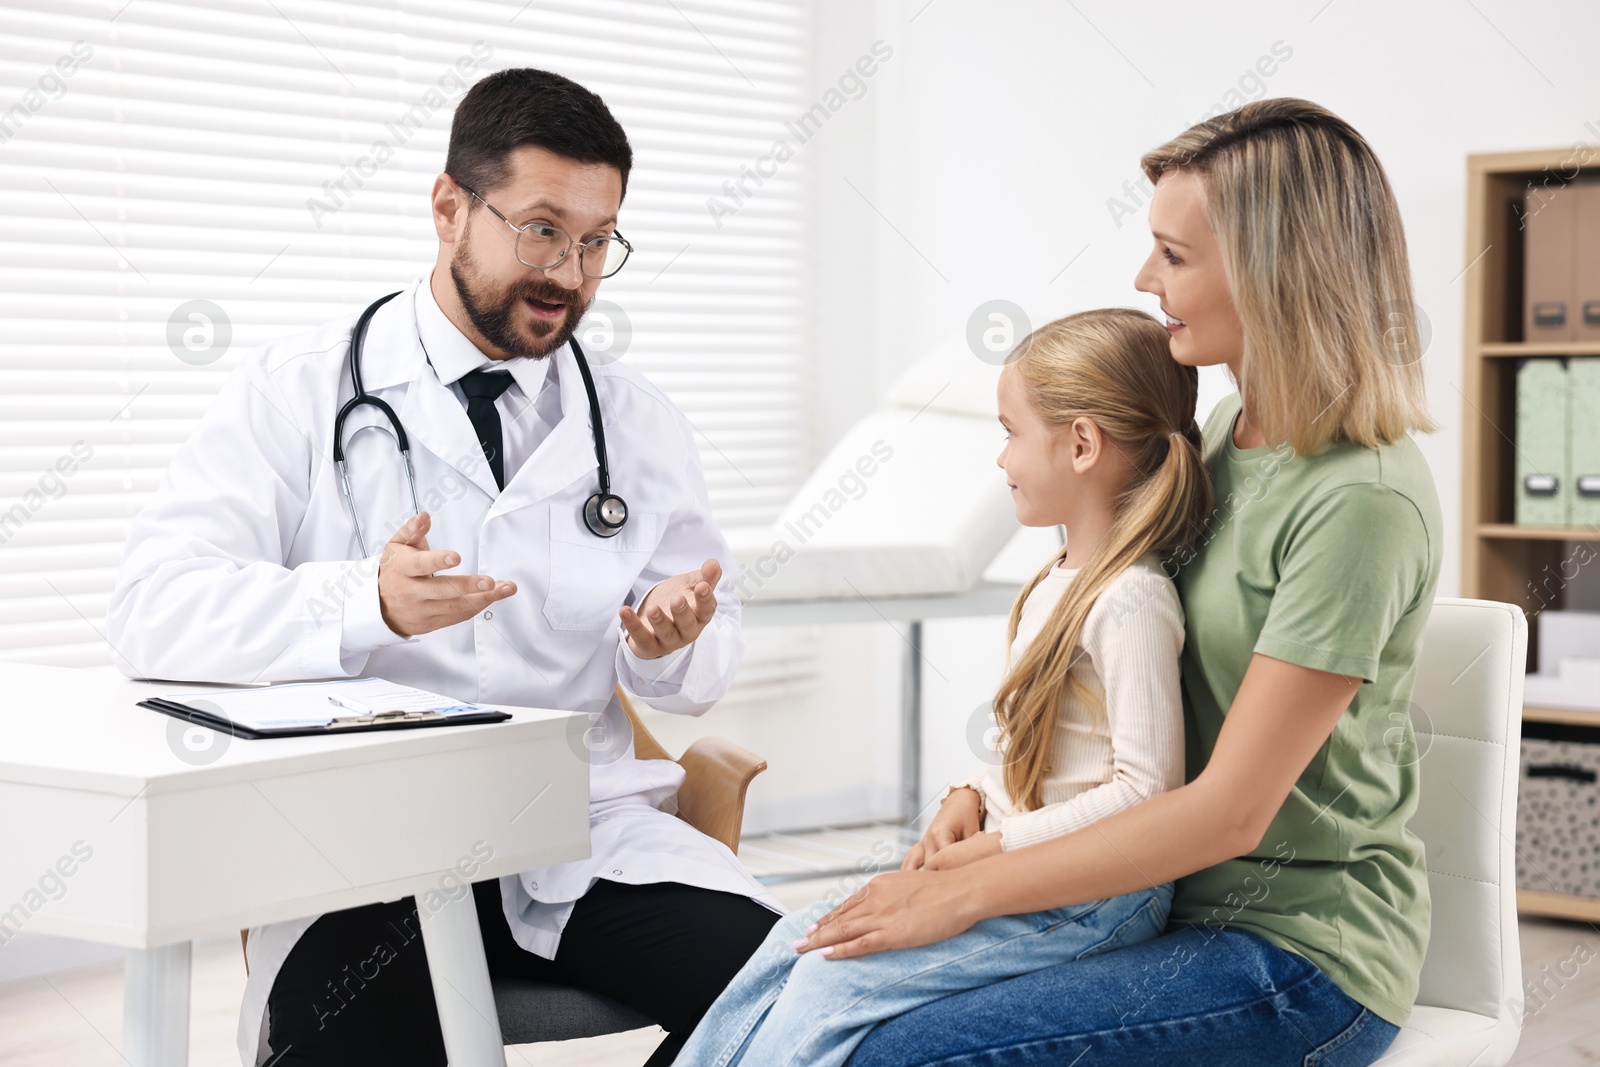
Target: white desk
(180, 848)
(987, 598)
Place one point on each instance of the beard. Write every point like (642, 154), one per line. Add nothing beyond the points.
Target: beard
(494, 311)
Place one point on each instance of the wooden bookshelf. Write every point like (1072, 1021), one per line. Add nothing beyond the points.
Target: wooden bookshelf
(1499, 559)
(1521, 349)
(1558, 905)
(1507, 531)
(1569, 716)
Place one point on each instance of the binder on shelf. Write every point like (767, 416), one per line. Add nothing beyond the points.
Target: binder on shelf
(1587, 295)
(1543, 484)
(1583, 438)
(1550, 236)
(353, 705)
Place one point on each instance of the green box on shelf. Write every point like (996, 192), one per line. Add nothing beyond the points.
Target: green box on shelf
(1583, 454)
(1543, 415)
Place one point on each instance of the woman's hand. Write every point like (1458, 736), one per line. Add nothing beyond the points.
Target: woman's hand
(957, 820)
(900, 909)
(964, 852)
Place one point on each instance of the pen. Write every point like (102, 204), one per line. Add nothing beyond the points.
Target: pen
(349, 705)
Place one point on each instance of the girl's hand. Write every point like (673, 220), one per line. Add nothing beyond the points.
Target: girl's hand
(964, 852)
(957, 820)
(901, 909)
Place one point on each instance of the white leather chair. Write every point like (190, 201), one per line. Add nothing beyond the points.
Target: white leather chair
(1467, 711)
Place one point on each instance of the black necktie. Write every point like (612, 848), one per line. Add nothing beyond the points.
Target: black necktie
(483, 388)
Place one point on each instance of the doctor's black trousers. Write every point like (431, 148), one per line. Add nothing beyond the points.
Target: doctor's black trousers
(355, 989)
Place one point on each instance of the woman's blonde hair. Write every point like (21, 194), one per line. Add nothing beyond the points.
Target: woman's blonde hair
(1315, 256)
(1113, 367)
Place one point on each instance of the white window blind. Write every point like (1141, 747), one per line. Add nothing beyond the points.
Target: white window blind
(274, 157)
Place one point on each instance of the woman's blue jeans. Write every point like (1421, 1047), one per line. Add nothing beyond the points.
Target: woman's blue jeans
(1219, 997)
(784, 1009)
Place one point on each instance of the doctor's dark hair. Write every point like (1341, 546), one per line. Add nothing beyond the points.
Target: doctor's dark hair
(525, 106)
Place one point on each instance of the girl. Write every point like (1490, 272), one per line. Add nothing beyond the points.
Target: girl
(1100, 438)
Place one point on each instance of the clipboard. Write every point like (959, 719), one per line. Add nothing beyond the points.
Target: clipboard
(361, 722)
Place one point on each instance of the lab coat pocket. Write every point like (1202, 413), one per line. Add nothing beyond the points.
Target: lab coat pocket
(590, 576)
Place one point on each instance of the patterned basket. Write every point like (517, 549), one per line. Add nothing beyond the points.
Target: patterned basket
(1558, 811)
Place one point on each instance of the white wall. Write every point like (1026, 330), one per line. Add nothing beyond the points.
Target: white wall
(994, 120)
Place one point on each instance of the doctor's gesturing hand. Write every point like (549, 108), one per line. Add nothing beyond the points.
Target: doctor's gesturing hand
(412, 600)
(673, 613)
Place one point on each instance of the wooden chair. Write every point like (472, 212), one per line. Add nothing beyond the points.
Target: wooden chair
(717, 775)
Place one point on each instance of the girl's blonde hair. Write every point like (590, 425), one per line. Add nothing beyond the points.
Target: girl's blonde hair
(1315, 256)
(1113, 367)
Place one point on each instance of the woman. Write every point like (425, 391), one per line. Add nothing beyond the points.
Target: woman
(1301, 914)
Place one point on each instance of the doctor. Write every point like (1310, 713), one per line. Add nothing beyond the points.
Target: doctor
(247, 567)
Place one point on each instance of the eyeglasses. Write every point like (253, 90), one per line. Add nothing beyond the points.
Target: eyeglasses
(543, 247)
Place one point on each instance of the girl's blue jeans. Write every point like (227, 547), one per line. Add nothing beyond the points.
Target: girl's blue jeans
(784, 1008)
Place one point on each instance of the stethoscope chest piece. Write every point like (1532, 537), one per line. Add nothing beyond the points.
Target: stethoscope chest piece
(605, 514)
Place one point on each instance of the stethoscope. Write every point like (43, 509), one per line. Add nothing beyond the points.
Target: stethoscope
(604, 513)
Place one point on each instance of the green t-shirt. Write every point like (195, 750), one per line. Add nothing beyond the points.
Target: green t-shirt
(1328, 562)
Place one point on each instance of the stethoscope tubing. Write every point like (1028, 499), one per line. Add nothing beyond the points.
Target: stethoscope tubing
(598, 510)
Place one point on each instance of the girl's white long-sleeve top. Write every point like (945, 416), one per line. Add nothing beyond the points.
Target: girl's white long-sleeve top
(1127, 655)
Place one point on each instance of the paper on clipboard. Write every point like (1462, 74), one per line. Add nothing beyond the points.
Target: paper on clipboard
(309, 704)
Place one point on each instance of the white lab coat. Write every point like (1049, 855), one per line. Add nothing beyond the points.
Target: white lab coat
(244, 568)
